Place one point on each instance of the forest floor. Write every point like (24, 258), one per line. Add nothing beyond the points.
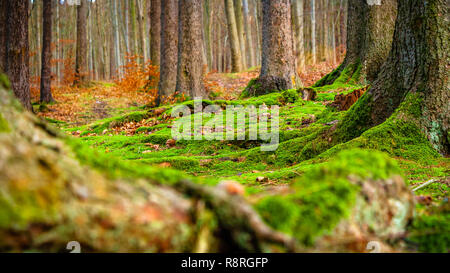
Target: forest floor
(117, 123)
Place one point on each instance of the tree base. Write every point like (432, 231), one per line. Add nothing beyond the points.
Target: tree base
(266, 85)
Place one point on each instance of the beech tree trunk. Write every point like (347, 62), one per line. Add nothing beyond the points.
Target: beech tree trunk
(418, 63)
(15, 48)
(370, 31)
(155, 32)
(278, 71)
(190, 49)
(240, 29)
(297, 19)
(81, 52)
(46, 79)
(233, 37)
(169, 49)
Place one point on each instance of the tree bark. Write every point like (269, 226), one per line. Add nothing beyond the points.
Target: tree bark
(278, 71)
(248, 35)
(233, 37)
(15, 52)
(370, 30)
(240, 30)
(190, 49)
(418, 64)
(297, 11)
(46, 77)
(141, 25)
(155, 40)
(81, 52)
(169, 49)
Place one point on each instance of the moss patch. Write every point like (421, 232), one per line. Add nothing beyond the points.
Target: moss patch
(324, 195)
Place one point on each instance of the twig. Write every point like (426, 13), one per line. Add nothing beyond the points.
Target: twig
(425, 184)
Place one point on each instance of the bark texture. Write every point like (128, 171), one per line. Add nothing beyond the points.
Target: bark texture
(169, 49)
(190, 49)
(15, 48)
(418, 63)
(155, 32)
(233, 37)
(81, 52)
(46, 71)
(370, 30)
(278, 71)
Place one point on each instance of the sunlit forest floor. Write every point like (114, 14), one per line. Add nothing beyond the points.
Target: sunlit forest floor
(119, 122)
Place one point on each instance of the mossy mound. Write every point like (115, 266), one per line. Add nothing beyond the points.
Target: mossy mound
(327, 194)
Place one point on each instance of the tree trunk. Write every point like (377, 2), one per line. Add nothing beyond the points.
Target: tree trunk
(169, 49)
(133, 30)
(418, 64)
(46, 77)
(236, 57)
(15, 52)
(251, 60)
(413, 85)
(370, 30)
(141, 26)
(190, 49)
(297, 11)
(155, 40)
(240, 30)
(313, 32)
(278, 71)
(81, 54)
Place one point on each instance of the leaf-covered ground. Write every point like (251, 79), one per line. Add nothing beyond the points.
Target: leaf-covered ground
(126, 129)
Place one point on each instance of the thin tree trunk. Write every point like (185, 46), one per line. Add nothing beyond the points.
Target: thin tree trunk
(155, 40)
(297, 11)
(251, 60)
(236, 57)
(81, 54)
(190, 49)
(142, 40)
(313, 32)
(46, 72)
(240, 29)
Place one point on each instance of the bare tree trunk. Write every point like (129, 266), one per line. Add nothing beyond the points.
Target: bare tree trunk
(236, 57)
(155, 40)
(251, 60)
(142, 40)
(81, 54)
(297, 11)
(169, 49)
(133, 31)
(313, 32)
(46, 77)
(278, 71)
(240, 29)
(16, 49)
(190, 49)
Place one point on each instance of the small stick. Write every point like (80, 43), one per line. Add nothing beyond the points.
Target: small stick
(425, 184)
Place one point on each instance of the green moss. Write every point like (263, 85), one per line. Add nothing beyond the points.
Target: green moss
(431, 233)
(324, 195)
(99, 126)
(290, 96)
(355, 121)
(4, 127)
(4, 82)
